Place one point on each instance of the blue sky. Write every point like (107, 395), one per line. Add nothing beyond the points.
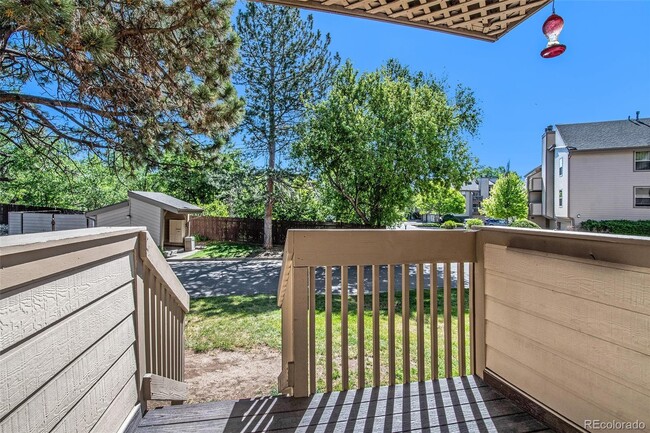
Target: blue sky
(603, 75)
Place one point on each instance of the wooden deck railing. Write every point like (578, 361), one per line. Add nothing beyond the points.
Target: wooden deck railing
(382, 255)
(558, 320)
(93, 317)
(162, 303)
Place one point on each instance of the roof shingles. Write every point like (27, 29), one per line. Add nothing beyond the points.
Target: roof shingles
(615, 134)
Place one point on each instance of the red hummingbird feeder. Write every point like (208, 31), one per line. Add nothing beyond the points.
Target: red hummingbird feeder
(552, 28)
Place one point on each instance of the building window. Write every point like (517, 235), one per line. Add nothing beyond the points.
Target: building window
(561, 198)
(642, 196)
(642, 160)
(561, 166)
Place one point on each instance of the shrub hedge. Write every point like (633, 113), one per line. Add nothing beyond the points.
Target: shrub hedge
(524, 223)
(619, 227)
(473, 222)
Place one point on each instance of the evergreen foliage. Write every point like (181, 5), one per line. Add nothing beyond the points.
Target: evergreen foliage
(286, 63)
(138, 77)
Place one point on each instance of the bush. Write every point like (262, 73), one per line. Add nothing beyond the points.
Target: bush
(450, 217)
(524, 223)
(473, 222)
(200, 238)
(619, 227)
(449, 225)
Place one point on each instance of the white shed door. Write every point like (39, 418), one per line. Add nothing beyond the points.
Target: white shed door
(176, 231)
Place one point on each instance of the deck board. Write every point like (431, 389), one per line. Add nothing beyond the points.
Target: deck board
(455, 405)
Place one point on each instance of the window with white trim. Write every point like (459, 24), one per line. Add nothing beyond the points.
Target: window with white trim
(642, 160)
(561, 198)
(642, 196)
(561, 166)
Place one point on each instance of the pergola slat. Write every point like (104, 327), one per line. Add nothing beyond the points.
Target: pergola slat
(482, 19)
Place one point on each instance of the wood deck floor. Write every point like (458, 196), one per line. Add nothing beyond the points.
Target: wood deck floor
(455, 405)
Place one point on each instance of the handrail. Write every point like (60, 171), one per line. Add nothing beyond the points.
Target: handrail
(158, 304)
(342, 252)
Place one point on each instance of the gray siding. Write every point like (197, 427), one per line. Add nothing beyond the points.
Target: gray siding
(602, 184)
(114, 218)
(147, 215)
(67, 350)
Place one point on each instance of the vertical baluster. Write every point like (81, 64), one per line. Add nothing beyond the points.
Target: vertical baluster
(447, 314)
(344, 328)
(312, 330)
(328, 328)
(375, 327)
(391, 325)
(406, 313)
(361, 351)
(147, 318)
(420, 320)
(471, 319)
(167, 336)
(460, 308)
(433, 311)
(172, 338)
(159, 327)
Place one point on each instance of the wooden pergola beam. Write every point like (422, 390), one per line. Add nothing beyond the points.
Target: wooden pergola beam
(481, 19)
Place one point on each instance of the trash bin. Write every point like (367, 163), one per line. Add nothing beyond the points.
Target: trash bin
(189, 243)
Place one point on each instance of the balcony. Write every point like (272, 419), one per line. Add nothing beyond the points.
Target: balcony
(92, 329)
(535, 184)
(535, 209)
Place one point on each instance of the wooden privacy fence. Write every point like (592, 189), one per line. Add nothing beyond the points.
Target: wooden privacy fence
(251, 230)
(376, 257)
(91, 327)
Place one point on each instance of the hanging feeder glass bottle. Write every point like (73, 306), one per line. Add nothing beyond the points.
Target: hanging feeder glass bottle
(552, 28)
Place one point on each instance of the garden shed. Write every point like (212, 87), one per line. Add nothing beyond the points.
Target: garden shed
(165, 217)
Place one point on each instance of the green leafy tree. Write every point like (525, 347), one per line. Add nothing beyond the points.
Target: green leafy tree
(381, 137)
(83, 182)
(285, 63)
(441, 200)
(134, 76)
(487, 171)
(508, 198)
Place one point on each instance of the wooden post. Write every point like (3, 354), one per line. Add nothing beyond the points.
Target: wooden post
(478, 307)
(300, 307)
(139, 318)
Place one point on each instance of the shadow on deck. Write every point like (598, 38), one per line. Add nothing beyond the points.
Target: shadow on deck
(461, 404)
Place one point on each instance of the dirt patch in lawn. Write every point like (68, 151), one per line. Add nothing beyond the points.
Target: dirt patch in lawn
(225, 375)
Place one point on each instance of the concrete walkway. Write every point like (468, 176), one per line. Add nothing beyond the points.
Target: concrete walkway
(259, 276)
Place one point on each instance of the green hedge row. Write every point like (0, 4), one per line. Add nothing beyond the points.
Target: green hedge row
(619, 227)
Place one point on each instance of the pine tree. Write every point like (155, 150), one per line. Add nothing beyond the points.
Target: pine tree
(285, 64)
(137, 76)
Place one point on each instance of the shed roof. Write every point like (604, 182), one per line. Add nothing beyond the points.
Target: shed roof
(482, 19)
(164, 201)
(115, 206)
(613, 134)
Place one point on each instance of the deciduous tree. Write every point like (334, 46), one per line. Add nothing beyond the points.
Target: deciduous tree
(508, 198)
(381, 137)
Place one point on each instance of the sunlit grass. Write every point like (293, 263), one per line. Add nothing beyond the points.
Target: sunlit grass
(223, 250)
(244, 322)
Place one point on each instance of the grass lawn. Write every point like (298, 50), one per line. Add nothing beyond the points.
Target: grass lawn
(223, 250)
(244, 322)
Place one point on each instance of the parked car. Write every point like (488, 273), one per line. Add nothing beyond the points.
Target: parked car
(495, 222)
